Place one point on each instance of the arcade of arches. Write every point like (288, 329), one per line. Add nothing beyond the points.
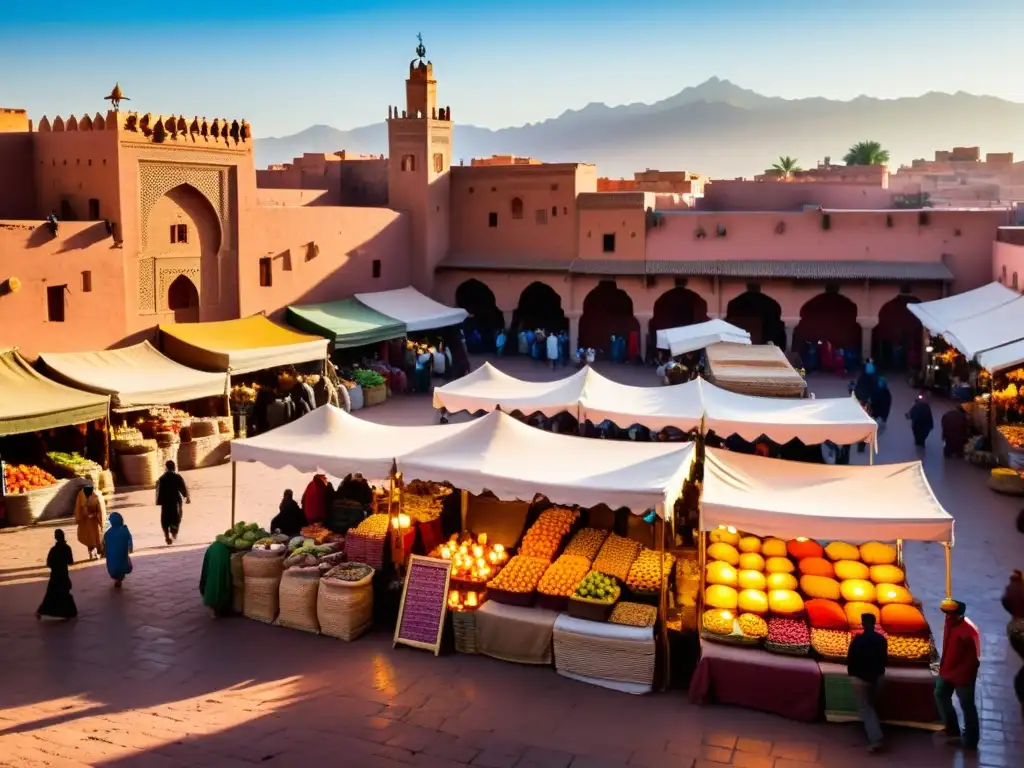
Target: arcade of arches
(893, 339)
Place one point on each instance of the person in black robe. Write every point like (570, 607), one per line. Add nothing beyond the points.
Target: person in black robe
(881, 402)
(954, 432)
(921, 420)
(290, 518)
(170, 491)
(58, 601)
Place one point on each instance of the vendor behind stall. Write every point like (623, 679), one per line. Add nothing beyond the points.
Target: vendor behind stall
(289, 519)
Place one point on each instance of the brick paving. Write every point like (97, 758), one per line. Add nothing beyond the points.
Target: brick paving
(145, 678)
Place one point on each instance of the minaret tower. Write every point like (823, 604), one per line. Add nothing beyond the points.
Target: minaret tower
(420, 152)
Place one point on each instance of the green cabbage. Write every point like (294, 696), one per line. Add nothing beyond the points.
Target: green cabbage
(225, 540)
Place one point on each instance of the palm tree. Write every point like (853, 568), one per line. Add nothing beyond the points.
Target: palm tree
(866, 153)
(787, 166)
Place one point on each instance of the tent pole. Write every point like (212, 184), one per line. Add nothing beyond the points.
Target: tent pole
(871, 456)
(662, 607)
(234, 489)
(949, 570)
(106, 439)
(463, 510)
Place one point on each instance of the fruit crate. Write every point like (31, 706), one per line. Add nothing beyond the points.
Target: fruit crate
(592, 610)
(520, 599)
(557, 603)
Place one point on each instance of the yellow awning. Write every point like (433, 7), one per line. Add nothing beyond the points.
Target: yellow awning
(240, 346)
(30, 402)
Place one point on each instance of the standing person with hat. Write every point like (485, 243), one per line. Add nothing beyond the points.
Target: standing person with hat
(170, 491)
(958, 673)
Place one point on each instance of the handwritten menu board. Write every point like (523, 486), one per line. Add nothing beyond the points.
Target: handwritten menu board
(424, 603)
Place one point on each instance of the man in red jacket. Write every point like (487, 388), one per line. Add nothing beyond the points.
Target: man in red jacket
(958, 673)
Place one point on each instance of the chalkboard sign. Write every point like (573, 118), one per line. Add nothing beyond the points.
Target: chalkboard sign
(424, 603)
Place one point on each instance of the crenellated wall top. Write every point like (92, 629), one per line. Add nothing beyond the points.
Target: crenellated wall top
(158, 129)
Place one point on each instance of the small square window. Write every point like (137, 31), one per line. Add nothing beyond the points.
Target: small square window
(179, 233)
(266, 272)
(554, 187)
(492, 219)
(376, 268)
(87, 281)
(55, 303)
(540, 216)
(554, 211)
(608, 243)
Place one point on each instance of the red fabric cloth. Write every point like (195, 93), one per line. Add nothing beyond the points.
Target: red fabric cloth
(961, 652)
(314, 500)
(633, 346)
(747, 677)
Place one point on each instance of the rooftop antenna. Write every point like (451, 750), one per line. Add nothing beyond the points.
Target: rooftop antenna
(116, 97)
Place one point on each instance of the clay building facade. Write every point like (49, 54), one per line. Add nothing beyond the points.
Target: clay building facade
(165, 218)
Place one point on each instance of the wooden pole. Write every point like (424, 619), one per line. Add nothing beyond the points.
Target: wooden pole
(463, 510)
(234, 489)
(662, 606)
(949, 570)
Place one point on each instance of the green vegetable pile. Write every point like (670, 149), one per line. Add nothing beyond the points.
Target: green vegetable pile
(242, 536)
(73, 462)
(368, 379)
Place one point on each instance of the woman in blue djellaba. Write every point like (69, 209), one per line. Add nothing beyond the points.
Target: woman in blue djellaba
(117, 542)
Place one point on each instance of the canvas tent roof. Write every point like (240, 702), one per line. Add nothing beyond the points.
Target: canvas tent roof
(135, 376)
(940, 315)
(999, 359)
(768, 497)
(514, 461)
(334, 442)
(589, 395)
(30, 402)
(996, 327)
(418, 312)
(239, 346)
(347, 323)
(687, 338)
(488, 389)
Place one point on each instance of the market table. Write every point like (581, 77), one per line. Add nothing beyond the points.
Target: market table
(511, 633)
(907, 696)
(609, 655)
(749, 677)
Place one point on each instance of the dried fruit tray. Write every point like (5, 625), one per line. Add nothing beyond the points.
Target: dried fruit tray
(733, 638)
(787, 649)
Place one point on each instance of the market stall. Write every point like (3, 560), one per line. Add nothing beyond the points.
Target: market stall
(488, 389)
(760, 369)
(792, 556)
(689, 338)
(144, 385)
(346, 324)
(940, 315)
(410, 307)
(32, 408)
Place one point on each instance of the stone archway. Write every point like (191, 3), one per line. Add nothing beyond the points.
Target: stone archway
(677, 307)
(828, 318)
(760, 316)
(607, 312)
(485, 319)
(896, 340)
(539, 306)
(183, 300)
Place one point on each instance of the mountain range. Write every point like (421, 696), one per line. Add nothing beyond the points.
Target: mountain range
(716, 128)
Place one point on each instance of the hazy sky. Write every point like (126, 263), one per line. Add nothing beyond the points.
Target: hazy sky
(287, 65)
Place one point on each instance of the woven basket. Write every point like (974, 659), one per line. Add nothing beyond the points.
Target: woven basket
(140, 469)
(365, 549)
(204, 428)
(26, 508)
(237, 583)
(344, 609)
(298, 599)
(201, 452)
(464, 624)
(256, 566)
(106, 482)
(786, 649)
(261, 598)
(374, 395)
(1010, 485)
(621, 661)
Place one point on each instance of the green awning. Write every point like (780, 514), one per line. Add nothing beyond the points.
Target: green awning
(347, 323)
(30, 402)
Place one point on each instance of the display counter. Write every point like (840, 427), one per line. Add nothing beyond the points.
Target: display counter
(906, 698)
(512, 633)
(789, 686)
(609, 655)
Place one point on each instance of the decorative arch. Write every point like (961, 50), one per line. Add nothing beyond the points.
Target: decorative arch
(829, 317)
(896, 340)
(157, 179)
(607, 312)
(517, 208)
(183, 300)
(677, 307)
(540, 306)
(485, 319)
(408, 162)
(760, 315)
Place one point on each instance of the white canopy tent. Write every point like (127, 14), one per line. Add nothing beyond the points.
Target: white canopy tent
(514, 461)
(940, 315)
(768, 497)
(688, 338)
(489, 389)
(418, 312)
(331, 441)
(1001, 358)
(996, 327)
(589, 395)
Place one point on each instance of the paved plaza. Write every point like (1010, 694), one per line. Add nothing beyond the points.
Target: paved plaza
(144, 678)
